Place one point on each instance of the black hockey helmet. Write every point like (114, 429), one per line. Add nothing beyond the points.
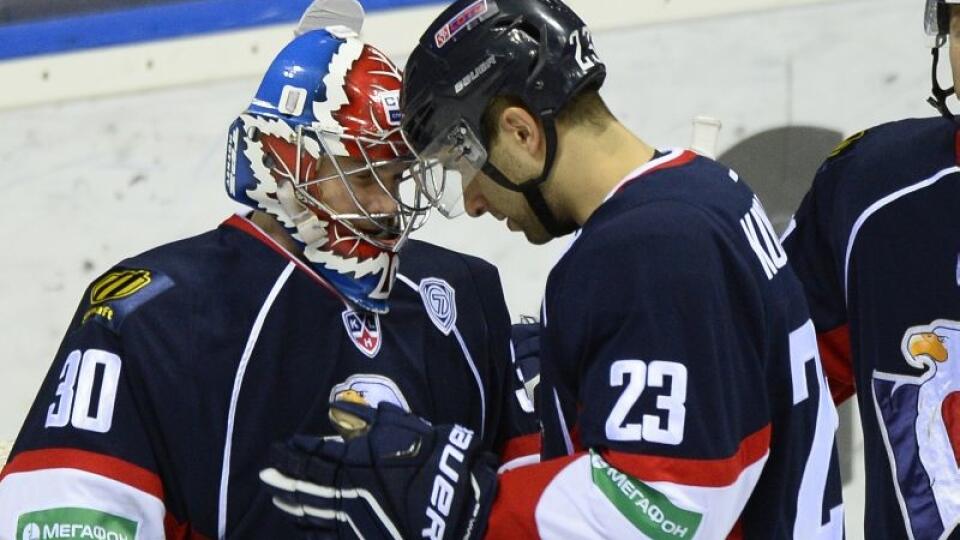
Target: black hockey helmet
(539, 51)
(936, 23)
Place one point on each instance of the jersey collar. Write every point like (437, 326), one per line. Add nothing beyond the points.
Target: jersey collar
(243, 224)
(675, 157)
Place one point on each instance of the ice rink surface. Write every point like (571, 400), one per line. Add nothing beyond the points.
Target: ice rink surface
(90, 183)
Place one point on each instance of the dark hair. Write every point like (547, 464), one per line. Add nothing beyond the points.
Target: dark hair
(586, 108)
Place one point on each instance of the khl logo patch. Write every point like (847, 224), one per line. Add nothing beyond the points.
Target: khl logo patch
(364, 329)
(440, 300)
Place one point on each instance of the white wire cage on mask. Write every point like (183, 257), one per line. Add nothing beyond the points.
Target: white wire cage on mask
(370, 181)
(447, 166)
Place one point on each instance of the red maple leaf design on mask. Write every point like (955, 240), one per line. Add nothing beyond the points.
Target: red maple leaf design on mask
(373, 110)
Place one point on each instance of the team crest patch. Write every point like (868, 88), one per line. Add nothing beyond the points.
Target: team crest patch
(370, 390)
(364, 329)
(460, 21)
(116, 285)
(439, 299)
(364, 389)
(919, 417)
(119, 293)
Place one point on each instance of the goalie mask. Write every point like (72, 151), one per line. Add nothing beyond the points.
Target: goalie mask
(320, 149)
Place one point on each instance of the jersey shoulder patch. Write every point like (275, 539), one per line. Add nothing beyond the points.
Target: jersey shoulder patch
(120, 292)
(846, 145)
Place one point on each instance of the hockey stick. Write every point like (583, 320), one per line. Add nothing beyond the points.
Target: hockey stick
(706, 132)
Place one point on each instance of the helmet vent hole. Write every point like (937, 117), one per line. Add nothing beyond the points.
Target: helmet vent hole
(530, 30)
(269, 161)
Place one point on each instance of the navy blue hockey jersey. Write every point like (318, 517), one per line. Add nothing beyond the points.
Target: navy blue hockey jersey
(677, 350)
(876, 243)
(184, 364)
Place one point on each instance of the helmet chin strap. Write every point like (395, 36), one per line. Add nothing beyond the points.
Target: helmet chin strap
(531, 188)
(309, 226)
(939, 98)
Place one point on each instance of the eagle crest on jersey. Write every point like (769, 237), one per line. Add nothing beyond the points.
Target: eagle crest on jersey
(327, 97)
(365, 389)
(920, 418)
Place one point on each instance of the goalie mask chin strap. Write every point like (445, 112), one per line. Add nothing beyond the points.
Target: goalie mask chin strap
(531, 188)
(308, 225)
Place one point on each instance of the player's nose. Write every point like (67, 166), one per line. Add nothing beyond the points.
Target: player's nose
(380, 196)
(381, 203)
(474, 203)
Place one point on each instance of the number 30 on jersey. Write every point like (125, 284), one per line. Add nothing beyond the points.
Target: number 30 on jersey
(76, 391)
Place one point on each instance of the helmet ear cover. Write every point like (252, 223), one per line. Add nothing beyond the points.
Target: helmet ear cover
(943, 18)
(936, 18)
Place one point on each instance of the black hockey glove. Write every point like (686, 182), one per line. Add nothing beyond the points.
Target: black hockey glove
(402, 479)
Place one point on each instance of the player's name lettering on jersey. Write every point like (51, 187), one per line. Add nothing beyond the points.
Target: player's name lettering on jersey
(763, 240)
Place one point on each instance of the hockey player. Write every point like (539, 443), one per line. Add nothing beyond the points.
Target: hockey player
(875, 243)
(183, 364)
(682, 395)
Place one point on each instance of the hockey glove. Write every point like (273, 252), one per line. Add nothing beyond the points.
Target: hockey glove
(526, 343)
(403, 479)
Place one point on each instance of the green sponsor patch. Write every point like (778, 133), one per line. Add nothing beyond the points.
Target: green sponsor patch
(74, 524)
(649, 510)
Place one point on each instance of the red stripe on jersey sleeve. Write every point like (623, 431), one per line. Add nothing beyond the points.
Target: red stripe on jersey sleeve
(513, 514)
(69, 458)
(837, 363)
(737, 532)
(517, 447)
(694, 472)
(175, 530)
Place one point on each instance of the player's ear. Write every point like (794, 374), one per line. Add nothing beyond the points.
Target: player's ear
(520, 128)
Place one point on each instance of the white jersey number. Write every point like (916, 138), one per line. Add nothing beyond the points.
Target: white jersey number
(803, 349)
(642, 376)
(75, 393)
(585, 56)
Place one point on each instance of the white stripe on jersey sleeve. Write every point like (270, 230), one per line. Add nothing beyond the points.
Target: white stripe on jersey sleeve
(48, 489)
(573, 507)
